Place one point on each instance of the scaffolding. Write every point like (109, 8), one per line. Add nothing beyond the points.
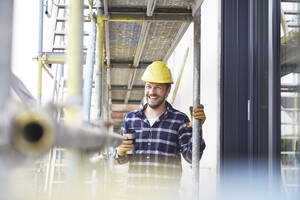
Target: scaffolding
(105, 51)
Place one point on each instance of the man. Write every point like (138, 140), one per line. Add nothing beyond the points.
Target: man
(162, 133)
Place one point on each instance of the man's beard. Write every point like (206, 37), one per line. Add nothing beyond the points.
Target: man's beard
(155, 105)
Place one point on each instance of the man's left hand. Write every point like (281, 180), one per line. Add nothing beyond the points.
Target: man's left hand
(198, 113)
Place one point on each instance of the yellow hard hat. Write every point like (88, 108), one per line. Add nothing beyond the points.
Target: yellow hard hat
(157, 72)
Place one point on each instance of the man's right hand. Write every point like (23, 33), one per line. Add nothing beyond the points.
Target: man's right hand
(126, 145)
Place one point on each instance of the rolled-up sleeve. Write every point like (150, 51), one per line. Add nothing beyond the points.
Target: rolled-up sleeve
(122, 159)
(185, 141)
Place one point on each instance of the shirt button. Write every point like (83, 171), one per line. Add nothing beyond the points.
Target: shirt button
(149, 143)
(148, 157)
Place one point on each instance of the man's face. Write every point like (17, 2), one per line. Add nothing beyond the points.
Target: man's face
(156, 93)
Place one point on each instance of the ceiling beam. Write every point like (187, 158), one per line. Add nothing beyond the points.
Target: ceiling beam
(197, 7)
(156, 17)
(127, 65)
(140, 10)
(290, 1)
(55, 57)
(290, 88)
(125, 87)
(150, 7)
(121, 101)
(140, 48)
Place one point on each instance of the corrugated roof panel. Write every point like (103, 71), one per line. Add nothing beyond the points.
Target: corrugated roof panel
(138, 76)
(128, 3)
(124, 38)
(159, 3)
(136, 95)
(159, 40)
(119, 76)
(174, 3)
(118, 94)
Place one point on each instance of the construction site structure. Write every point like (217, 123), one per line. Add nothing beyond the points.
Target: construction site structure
(95, 52)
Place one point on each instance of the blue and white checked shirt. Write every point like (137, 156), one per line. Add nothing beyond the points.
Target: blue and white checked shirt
(157, 161)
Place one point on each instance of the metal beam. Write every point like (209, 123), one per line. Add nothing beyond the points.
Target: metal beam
(158, 10)
(6, 21)
(125, 87)
(74, 60)
(290, 88)
(196, 101)
(121, 101)
(55, 57)
(137, 57)
(40, 49)
(140, 47)
(107, 46)
(157, 17)
(293, 25)
(141, 44)
(106, 29)
(197, 6)
(283, 23)
(290, 1)
(123, 65)
(291, 12)
(89, 69)
(150, 7)
(22, 91)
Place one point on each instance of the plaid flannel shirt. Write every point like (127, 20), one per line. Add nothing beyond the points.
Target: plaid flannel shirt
(156, 162)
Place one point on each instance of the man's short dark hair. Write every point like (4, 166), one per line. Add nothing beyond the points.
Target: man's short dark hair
(168, 85)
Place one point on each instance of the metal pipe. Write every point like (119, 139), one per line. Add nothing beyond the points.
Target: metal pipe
(197, 7)
(157, 17)
(88, 138)
(54, 91)
(196, 101)
(6, 21)
(22, 92)
(107, 44)
(106, 29)
(74, 61)
(74, 95)
(40, 50)
(283, 24)
(32, 132)
(150, 7)
(137, 57)
(74, 98)
(102, 68)
(126, 66)
(90, 61)
(98, 78)
(99, 63)
(46, 8)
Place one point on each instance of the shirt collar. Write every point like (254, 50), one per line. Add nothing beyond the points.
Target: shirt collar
(140, 112)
